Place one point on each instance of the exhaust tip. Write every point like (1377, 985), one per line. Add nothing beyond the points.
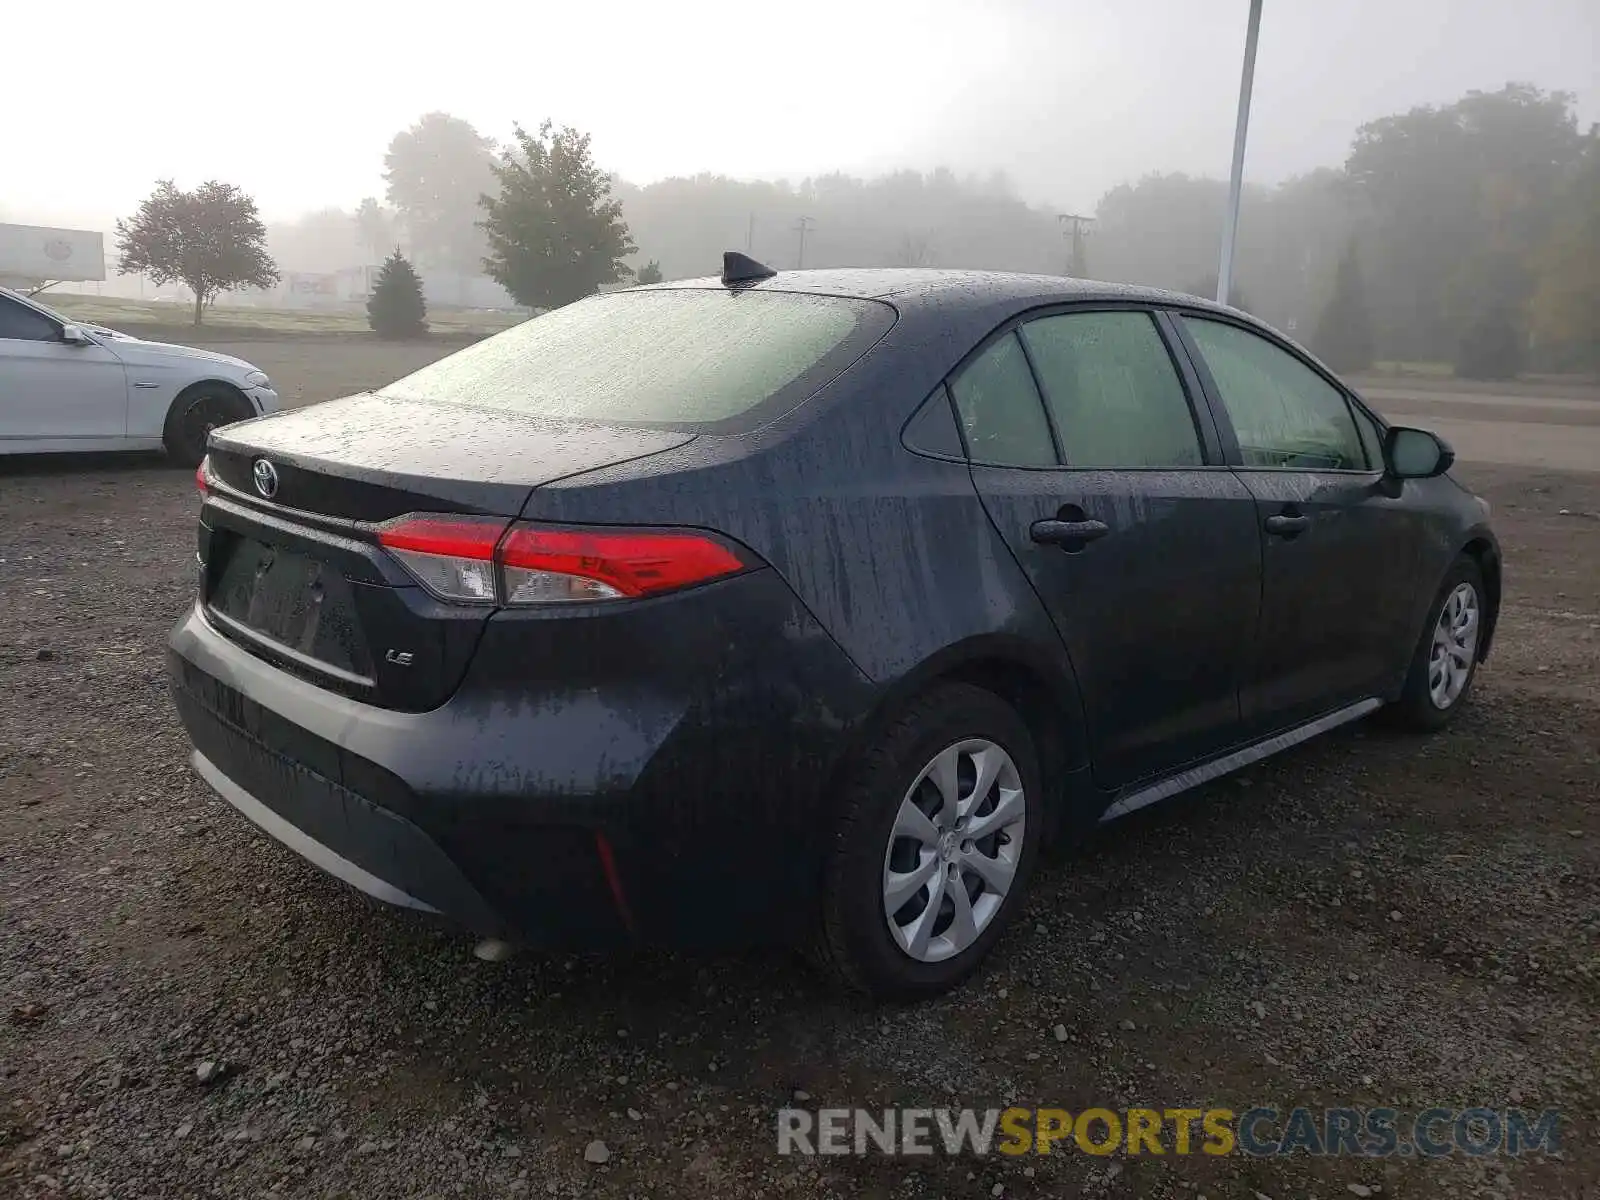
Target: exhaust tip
(493, 950)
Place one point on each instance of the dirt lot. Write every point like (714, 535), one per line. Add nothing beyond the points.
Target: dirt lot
(1370, 919)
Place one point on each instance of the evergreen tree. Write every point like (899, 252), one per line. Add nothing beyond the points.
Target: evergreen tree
(649, 273)
(396, 308)
(1344, 334)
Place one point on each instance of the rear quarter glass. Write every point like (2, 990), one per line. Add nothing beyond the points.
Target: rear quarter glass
(706, 360)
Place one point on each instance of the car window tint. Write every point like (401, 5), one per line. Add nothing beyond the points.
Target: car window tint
(1000, 408)
(1371, 437)
(933, 429)
(20, 323)
(1111, 387)
(1284, 413)
(677, 357)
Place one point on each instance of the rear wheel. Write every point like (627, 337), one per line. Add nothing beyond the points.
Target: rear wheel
(194, 414)
(1445, 661)
(940, 827)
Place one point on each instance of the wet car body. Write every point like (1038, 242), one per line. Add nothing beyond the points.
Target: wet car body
(666, 770)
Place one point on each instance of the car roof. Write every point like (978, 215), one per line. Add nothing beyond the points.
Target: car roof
(908, 286)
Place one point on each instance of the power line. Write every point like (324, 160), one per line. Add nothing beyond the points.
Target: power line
(803, 226)
(1078, 263)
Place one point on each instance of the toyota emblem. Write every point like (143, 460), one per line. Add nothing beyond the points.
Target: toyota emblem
(266, 476)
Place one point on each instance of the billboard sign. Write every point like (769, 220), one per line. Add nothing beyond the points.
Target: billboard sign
(41, 253)
(304, 283)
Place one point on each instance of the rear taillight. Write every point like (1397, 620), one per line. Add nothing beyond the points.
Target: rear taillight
(543, 565)
(475, 560)
(453, 557)
(202, 475)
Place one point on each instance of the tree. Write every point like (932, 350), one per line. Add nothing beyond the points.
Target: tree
(951, 222)
(1491, 347)
(649, 273)
(324, 240)
(555, 235)
(1453, 201)
(396, 308)
(1166, 230)
(1206, 289)
(375, 226)
(210, 239)
(914, 250)
(1485, 301)
(435, 172)
(1344, 334)
(1564, 313)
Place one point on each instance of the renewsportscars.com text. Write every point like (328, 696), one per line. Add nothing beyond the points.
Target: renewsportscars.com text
(1258, 1132)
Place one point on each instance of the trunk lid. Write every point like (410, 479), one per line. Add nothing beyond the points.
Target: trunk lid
(298, 578)
(370, 458)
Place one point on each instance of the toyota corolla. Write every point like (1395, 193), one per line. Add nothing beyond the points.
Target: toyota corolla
(805, 608)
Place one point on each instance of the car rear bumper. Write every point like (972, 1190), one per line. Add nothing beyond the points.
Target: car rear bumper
(683, 809)
(404, 847)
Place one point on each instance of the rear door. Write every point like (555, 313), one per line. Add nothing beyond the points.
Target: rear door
(54, 389)
(1107, 484)
(1340, 553)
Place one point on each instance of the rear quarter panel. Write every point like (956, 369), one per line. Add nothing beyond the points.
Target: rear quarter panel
(891, 551)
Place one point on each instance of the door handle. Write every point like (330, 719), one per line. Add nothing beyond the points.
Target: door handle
(1287, 526)
(1069, 535)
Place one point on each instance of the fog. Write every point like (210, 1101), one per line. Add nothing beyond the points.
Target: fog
(1441, 150)
(295, 102)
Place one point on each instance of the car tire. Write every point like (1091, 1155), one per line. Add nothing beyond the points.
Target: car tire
(194, 414)
(931, 757)
(1445, 661)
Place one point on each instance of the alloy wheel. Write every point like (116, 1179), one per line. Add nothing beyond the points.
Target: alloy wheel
(954, 850)
(1455, 646)
(200, 418)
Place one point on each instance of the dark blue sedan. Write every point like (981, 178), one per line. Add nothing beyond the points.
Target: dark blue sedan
(805, 608)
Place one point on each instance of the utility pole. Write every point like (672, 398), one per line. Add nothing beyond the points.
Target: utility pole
(803, 226)
(1230, 226)
(750, 235)
(1078, 264)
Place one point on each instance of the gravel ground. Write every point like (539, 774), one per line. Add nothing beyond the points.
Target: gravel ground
(187, 1009)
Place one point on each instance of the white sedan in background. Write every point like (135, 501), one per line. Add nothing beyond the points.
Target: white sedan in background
(65, 385)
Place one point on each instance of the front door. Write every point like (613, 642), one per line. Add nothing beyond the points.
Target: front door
(1093, 467)
(50, 388)
(1340, 553)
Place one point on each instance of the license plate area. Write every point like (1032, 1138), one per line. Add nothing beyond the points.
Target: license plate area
(295, 601)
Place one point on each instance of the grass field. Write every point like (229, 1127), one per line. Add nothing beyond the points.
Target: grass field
(234, 322)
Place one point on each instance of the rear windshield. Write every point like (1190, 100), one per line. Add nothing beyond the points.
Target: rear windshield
(679, 358)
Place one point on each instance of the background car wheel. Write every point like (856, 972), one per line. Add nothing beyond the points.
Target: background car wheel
(194, 414)
(1446, 659)
(939, 829)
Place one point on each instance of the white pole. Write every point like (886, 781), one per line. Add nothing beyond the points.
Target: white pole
(1230, 224)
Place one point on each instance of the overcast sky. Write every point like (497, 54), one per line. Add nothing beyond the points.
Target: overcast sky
(296, 101)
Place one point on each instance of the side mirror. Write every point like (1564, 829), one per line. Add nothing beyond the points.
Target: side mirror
(1415, 454)
(74, 336)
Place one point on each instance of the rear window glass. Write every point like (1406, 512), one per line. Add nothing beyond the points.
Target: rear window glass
(679, 357)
